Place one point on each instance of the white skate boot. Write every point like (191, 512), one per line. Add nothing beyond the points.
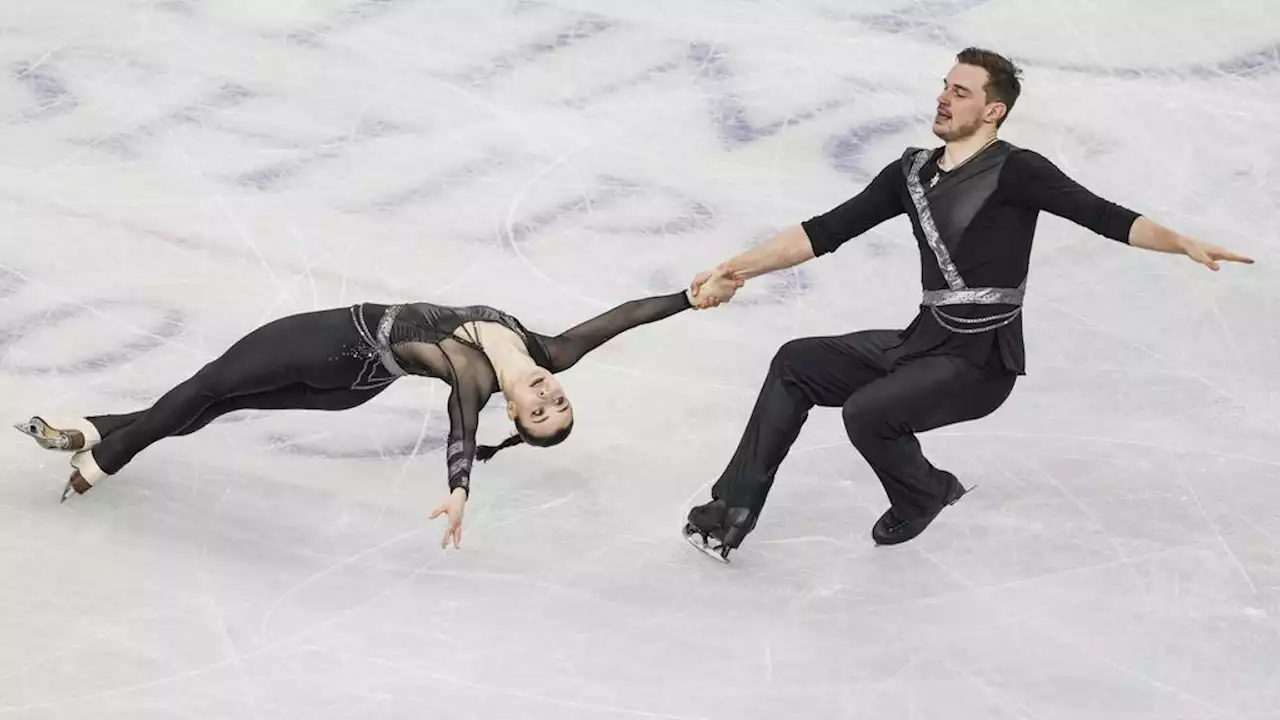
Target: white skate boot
(85, 473)
(70, 434)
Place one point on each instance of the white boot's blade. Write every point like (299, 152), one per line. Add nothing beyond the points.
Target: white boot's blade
(70, 433)
(46, 437)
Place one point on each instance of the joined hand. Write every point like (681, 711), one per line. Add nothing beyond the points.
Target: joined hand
(713, 287)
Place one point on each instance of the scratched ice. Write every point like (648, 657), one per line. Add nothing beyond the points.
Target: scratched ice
(176, 172)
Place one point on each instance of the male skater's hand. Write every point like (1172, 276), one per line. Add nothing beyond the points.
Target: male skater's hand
(1209, 255)
(452, 507)
(711, 288)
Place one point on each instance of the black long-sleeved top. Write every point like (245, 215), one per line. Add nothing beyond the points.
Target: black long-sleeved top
(981, 218)
(420, 338)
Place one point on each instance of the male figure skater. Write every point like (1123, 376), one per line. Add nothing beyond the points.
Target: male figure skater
(973, 205)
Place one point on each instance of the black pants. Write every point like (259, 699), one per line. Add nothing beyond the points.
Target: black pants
(312, 361)
(884, 406)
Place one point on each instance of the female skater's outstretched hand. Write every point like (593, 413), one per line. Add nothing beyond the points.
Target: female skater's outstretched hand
(452, 507)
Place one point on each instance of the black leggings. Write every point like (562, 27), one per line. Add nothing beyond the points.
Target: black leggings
(884, 406)
(312, 361)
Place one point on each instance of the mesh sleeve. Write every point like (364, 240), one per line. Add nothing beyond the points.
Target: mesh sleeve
(471, 382)
(567, 348)
(465, 402)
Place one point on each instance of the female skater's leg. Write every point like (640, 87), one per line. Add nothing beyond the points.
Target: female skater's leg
(298, 396)
(293, 397)
(320, 349)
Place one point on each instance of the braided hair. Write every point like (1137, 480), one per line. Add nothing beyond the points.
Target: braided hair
(484, 452)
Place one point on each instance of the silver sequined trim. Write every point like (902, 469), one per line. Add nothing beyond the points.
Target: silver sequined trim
(976, 296)
(931, 235)
(357, 317)
(461, 464)
(384, 342)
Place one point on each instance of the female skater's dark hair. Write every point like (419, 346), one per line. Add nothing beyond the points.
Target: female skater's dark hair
(522, 435)
(1004, 85)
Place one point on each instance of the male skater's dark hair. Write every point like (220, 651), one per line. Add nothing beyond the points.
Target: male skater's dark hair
(522, 435)
(1004, 84)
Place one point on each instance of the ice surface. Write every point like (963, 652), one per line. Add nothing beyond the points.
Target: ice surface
(175, 172)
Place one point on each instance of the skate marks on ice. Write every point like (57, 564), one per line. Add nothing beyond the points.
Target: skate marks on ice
(204, 110)
(116, 347)
(276, 175)
(729, 115)
(958, 23)
(48, 91)
(1256, 64)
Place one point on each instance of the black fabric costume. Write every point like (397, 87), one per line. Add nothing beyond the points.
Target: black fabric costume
(340, 358)
(958, 359)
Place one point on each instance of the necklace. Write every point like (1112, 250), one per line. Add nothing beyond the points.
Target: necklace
(933, 182)
(990, 142)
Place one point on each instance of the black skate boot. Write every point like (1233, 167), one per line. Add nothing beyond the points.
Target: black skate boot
(705, 524)
(892, 530)
(716, 529)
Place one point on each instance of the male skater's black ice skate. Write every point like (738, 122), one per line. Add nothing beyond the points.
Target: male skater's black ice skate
(716, 529)
(893, 530)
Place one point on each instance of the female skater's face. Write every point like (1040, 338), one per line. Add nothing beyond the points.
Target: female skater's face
(539, 403)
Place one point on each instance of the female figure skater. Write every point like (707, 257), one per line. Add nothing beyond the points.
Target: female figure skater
(340, 358)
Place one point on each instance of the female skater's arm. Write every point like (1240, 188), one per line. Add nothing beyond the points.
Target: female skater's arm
(460, 452)
(567, 348)
(469, 391)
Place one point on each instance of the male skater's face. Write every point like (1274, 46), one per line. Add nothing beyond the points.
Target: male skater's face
(962, 105)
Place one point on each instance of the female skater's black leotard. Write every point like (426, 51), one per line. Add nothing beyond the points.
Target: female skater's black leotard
(341, 358)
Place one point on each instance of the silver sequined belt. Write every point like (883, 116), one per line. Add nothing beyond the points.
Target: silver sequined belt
(935, 299)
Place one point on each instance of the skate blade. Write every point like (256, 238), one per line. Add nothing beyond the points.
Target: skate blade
(45, 436)
(964, 491)
(72, 487)
(701, 545)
